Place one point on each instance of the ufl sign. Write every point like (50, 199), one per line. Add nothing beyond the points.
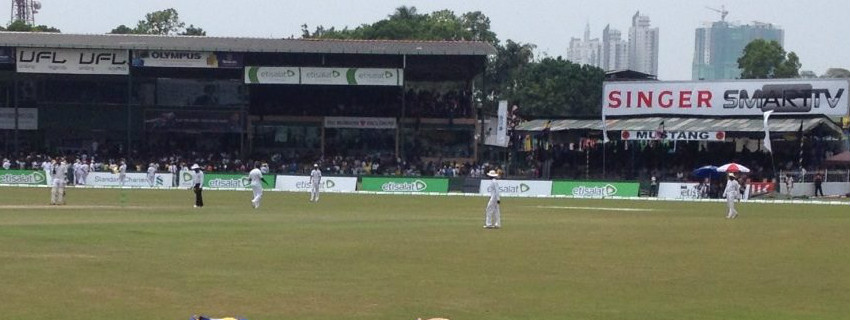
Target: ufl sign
(72, 61)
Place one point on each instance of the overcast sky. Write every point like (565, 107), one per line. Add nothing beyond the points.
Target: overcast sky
(817, 30)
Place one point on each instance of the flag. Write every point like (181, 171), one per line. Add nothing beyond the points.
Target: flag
(659, 133)
(604, 129)
(800, 137)
(767, 132)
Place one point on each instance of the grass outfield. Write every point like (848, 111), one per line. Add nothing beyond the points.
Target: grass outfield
(148, 254)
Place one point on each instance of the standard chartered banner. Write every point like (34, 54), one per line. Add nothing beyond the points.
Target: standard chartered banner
(671, 190)
(595, 189)
(518, 187)
(29, 177)
(73, 61)
(232, 181)
(109, 179)
(272, 75)
(404, 184)
(302, 183)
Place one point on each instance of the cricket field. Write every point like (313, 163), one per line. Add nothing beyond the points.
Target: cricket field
(148, 254)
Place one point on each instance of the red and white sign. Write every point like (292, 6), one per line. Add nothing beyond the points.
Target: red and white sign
(645, 135)
(727, 98)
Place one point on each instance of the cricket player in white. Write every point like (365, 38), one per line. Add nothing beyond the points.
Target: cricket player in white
(85, 168)
(731, 193)
(315, 183)
(152, 174)
(122, 173)
(77, 172)
(47, 166)
(57, 192)
(256, 177)
(493, 214)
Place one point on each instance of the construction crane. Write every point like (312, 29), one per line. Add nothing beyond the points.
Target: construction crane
(25, 10)
(722, 11)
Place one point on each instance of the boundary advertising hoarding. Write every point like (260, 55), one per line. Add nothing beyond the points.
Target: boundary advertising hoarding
(73, 61)
(672, 190)
(328, 184)
(186, 59)
(136, 180)
(27, 177)
(595, 189)
(27, 118)
(518, 187)
(404, 184)
(727, 98)
(233, 181)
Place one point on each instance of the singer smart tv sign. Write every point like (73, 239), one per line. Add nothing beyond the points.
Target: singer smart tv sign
(727, 98)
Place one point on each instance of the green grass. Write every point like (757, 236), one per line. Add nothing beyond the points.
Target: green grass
(150, 255)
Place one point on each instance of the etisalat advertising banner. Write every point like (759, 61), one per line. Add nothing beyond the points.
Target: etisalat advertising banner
(324, 76)
(327, 184)
(404, 184)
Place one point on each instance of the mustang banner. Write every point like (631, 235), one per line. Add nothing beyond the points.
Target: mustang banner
(673, 135)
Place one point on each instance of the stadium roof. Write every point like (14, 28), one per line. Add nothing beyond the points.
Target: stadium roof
(196, 43)
(686, 124)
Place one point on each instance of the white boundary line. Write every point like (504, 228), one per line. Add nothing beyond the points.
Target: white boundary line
(453, 194)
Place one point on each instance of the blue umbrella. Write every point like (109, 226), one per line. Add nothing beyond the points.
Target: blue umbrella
(706, 172)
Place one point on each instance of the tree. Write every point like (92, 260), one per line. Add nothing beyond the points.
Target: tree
(122, 29)
(191, 30)
(762, 59)
(836, 73)
(554, 87)
(21, 26)
(163, 22)
(406, 23)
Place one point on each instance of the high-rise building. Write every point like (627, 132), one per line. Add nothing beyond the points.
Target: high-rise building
(615, 50)
(718, 47)
(643, 45)
(586, 50)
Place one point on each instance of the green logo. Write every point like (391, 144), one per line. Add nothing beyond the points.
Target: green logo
(31, 177)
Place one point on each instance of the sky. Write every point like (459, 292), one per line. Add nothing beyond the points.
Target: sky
(817, 30)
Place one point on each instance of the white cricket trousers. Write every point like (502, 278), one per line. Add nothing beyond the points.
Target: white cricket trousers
(730, 203)
(258, 194)
(314, 192)
(493, 215)
(57, 192)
